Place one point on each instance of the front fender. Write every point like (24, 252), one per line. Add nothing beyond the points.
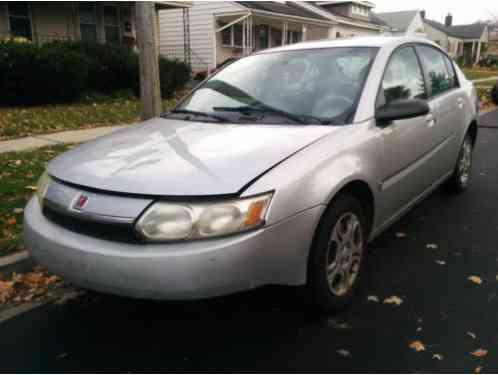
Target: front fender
(316, 174)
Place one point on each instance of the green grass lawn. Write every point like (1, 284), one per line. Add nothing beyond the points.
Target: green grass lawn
(19, 172)
(479, 74)
(27, 121)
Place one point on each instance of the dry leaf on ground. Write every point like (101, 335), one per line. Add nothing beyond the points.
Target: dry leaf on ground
(373, 299)
(441, 262)
(432, 246)
(479, 353)
(417, 345)
(393, 300)
(343, 353)
(401, 235)
(18, 211)
(32, 188)
(475, 279)
(439, 357)
(471, 334)
(478, 370)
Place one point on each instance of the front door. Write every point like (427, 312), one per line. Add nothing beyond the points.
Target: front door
(407, 144)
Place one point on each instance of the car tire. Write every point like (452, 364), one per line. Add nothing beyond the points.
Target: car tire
(460, 179)
(337, 256)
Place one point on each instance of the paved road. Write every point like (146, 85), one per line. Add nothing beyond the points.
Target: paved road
(269, 328)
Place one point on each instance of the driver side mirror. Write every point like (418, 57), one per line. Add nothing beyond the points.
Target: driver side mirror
(401, 110)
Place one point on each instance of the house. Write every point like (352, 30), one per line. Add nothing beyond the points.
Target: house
(405, 23)
(460, 41)
(103, 22)
(212, 32)
(351, 18)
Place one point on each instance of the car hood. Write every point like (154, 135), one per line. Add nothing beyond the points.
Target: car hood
(178, 158)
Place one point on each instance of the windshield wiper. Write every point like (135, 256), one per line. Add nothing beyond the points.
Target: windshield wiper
(301, 119)
(196, 113)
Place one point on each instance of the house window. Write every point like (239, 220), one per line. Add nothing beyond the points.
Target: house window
(20, 20)
(264, 36)
(111, 25)
(338, 35)
(231, 36)
(88, 22)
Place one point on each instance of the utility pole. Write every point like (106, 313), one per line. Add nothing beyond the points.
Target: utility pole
(150, 90)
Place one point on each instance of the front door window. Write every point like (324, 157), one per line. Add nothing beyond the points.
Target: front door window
(88, 22)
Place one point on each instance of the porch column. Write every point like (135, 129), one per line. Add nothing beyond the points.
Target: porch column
(244, 37)
(331, 33)
(473, 47)
(303, 32)
(478, 57)
(284, 33)
(269, 36)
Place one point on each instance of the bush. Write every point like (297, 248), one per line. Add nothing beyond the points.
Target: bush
(494, 94)
(31, 74)
(61, 72)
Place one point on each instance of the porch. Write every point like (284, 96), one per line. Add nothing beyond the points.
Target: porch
(240, 34)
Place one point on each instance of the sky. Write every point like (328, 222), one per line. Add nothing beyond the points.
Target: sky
(463, 11)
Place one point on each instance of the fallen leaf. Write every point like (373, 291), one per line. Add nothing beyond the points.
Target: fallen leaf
(6, 290)
(441, 262)
(439, 357)
(419, 329)
(432, 246)
(18, 211)
(32, 188)
(401, 235)
(479, 353)
(338, 326)
(11, 221)
(417, 345)
(62, 355)
(343, 353)
(373, 299)
(18, 162)
(478, 370)
(475, 279)
(393, 300)
(471, 334)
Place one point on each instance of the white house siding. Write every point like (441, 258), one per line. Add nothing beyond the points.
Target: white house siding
(316, 33)
(201, 16)
(417, 26)
(347, 31)
(437, 36)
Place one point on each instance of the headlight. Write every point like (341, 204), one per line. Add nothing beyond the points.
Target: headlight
(42, 186)
(167, 221)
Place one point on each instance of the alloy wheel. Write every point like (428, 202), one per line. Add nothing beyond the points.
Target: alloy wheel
(344, 254)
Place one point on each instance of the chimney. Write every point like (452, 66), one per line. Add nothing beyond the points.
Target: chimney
(422, 14)
(449, 20)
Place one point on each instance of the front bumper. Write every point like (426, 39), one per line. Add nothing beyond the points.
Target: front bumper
(273, 255)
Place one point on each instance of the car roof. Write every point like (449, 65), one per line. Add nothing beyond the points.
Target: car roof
(377, 41)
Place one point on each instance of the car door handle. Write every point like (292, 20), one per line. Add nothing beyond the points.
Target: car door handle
(431, 120)
(460, 103)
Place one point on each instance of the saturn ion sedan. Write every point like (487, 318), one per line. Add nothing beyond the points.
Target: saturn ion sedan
(278, 169)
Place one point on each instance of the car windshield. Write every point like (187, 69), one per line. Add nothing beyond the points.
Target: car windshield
(319, 86)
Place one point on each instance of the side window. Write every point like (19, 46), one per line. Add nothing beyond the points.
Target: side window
(436, 69)
(451, 72)
(403, 78)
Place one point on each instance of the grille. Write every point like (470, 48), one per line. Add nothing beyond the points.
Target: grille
(110, 232)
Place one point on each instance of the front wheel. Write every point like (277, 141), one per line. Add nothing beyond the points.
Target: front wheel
(338, 254)
(460, 179)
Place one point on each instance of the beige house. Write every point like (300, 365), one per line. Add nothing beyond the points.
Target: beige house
(460, 41)
(102, 22)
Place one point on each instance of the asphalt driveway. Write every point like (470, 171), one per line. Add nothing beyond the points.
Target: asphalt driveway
(425, 260)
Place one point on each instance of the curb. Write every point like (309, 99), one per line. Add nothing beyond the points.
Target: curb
(19, 263)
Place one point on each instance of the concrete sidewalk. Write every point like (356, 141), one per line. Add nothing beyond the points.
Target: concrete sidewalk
(72, 136)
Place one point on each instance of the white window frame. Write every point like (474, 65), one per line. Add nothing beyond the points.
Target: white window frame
(118, 25)
(92, 24)
(232, 38)
(29, 16)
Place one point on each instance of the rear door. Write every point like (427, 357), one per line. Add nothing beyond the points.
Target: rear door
(407, 143)
(446, 96)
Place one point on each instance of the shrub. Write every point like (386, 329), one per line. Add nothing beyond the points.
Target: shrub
(494, 94)
(67, 71)
(31, 74)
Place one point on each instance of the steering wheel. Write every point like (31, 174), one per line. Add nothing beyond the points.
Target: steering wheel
(331, 105)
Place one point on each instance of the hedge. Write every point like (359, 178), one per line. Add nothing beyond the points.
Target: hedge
(62, 72)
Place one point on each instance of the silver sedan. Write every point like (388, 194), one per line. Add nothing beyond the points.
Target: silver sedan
(279, 169)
